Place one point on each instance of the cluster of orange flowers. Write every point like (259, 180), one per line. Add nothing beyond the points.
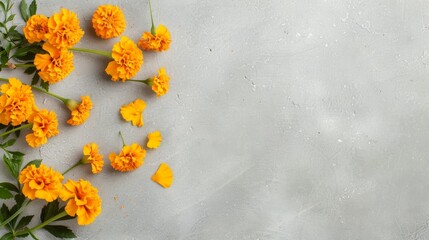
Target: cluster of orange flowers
(58, 34)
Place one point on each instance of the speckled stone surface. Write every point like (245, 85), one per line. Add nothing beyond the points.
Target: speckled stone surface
(285, 120)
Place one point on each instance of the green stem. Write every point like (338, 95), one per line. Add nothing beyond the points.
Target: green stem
(20, 65)
(152, 29)
(122, 138)
(75, 165)
(16, 129)
(64, 100)
(52, 219)
(146, 81)
(19, 211)
(99, 52)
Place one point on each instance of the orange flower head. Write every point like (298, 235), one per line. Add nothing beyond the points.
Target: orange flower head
(130, 158)
(159, 42)
(63, 29)
(84, 201)
(154, 139)
(79, 112)
(133, 112)
(41, 182)
(163, 176)
(45, 125)
(92, 156)
(55, 65)
(161, 83)
(108, 21)
(16, 102)
(128, 59)
(36, 28)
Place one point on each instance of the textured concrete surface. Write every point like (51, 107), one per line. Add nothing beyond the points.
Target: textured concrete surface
(285, 120)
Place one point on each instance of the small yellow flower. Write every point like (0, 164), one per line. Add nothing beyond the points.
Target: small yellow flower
(45, 125)
(79, 112)
(84, 201)
(108, 21)
(155, 139)
(91, 155)
(133, 112)
(16, 102)
(55, 65)
(130, 158)
(159, 42)
(161, 83)
(63, 29)
(128, 59)
(163, 176)
(36, 28)
(40, 182)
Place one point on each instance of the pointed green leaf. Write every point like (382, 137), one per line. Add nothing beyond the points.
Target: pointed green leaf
(7, 236)
(36, 162)
(5, 193)
(33, 8)
(60, 231)
(9, 186)
(51, 209)
(23, 9)
(24, 221)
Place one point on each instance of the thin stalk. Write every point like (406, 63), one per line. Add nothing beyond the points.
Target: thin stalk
(52, 219)
(146, 81)
(19, 211)
(64, 100)
(15, 65)
(152, 29)
(16, 129)
(75, 165)
(122, 138)
(99, 52)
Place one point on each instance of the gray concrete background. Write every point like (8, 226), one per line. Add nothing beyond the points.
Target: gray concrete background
(285, 120)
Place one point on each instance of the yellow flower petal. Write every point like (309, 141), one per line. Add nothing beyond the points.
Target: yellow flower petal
(163, 176)
(154, 139)
(133, 111)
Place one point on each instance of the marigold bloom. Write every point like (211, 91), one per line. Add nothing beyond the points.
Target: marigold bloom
(84, 201)
(108, 21)
(45, 125)
(161, 83)
(36, 28)
(80, 112)
(92, 155)
(16, 102)
(130, 158)
(155, 139)
(163, 176)
(40, 182)
(55, 65)
(128, 59)
(158, 42)
(63, 29)
(133, 112)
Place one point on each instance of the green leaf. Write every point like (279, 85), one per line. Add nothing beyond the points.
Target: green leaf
(7, 236)
(16, 153)
(60, 231)
(30, 70)
(51, 209)
(35, 79)
(3, 7)
(5, 193)
(19, 199)
(33, 8)
(4, 212)
(8, 164)
(9, 186)
(10, 18)
(44, 85)
(36, 162)
(10, 142)
(4, 58)
(23, 10)
(24, 221)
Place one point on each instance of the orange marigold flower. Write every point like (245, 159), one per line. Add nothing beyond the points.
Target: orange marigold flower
(161, 83)
(45, 125)
(133, 112)
(163, 176)
(41, 182)
(84, 201)
(55, 65)
(79, 112)
(36, 28)
(63, 29)
(130, 158)
(158, 42)
(128, 59)
(155, 139)
(16, 102)
(108, 21)
(92, 156)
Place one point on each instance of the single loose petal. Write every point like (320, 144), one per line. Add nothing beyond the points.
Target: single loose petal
(154, 139)
(163, 176)
(133, 112)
